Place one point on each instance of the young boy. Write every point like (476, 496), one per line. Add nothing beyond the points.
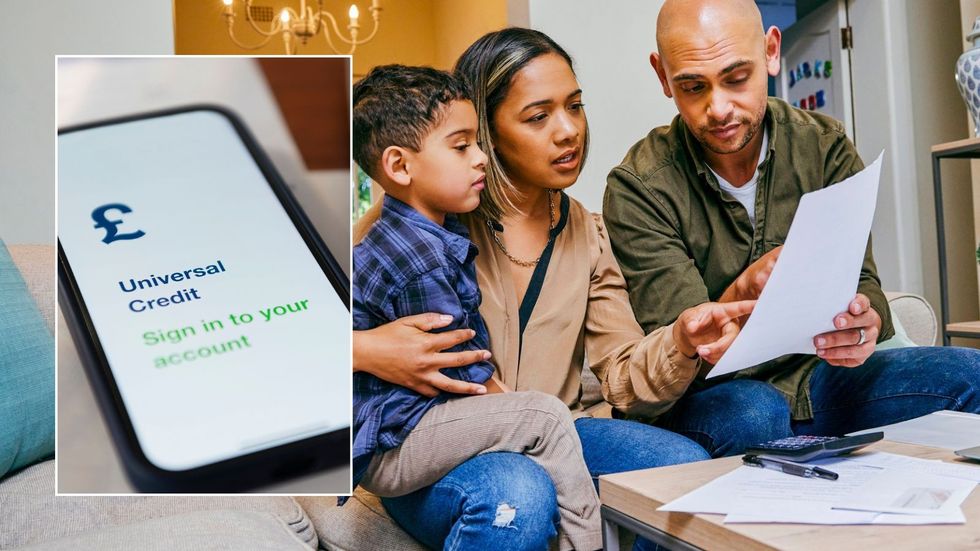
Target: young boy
(415, 134)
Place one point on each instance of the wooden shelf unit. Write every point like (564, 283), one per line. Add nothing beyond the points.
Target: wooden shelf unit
(964, 329)
(960, 149)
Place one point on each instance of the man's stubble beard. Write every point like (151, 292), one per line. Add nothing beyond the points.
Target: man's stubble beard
(753, 126)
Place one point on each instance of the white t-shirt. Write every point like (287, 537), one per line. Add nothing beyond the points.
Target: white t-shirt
(746, 193)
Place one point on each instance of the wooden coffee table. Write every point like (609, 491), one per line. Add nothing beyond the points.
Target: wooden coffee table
(630, 500)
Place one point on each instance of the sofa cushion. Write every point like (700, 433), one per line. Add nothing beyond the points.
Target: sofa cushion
(914, 319)
(33, 514)
(26, 374)
(214, 530)
(361, 524)
(36, 266)
(899, 340)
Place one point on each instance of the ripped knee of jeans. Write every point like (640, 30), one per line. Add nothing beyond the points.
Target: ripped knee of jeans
(505, 516)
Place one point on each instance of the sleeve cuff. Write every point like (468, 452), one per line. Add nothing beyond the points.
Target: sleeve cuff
(880, 305)
(659, 379)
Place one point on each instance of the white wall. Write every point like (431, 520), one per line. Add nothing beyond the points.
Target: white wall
(611, 44)
(35, 33)
(882, 120)
(939, 116)
(905, 101)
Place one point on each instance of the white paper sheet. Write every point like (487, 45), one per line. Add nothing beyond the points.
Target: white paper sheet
(909, 492)
(929, 466)
(872, 494)
(802, 513)
(795, 512)
(951, 430)
(755, 491)
(816, 276)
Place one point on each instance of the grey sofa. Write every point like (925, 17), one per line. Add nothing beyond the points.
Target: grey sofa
(32, 517)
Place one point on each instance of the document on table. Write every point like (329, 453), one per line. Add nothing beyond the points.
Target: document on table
(816, 276)
(952, 430)
(896, 491)
(753, 491)
(819, 513)
(865, 493)
(930, 466)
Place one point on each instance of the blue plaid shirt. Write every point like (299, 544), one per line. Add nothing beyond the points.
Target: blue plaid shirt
(408, 264)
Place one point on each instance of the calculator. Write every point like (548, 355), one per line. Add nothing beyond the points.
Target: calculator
(808, 448)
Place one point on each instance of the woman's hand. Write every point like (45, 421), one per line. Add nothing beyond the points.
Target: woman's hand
(707, 330)
(403, 352)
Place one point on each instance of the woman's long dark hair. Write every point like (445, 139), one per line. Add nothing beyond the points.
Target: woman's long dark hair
(489, 66)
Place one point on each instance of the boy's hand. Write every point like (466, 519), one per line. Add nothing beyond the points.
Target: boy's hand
(707, 330)
(405, 353)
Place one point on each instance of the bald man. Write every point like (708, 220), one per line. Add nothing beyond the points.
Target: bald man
(697, 212)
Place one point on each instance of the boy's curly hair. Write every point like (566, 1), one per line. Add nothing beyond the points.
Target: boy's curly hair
(397, 105)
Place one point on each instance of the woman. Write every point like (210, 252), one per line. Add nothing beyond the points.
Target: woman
(553, 296)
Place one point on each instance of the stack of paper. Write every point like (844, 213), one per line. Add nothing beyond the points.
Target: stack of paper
(873, 488)
(952, 430)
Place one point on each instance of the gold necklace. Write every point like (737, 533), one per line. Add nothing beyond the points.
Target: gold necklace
(551, 226)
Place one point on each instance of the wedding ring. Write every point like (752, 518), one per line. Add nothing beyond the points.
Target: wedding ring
(862, 339)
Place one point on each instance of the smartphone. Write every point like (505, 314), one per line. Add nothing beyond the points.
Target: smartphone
(212, 321)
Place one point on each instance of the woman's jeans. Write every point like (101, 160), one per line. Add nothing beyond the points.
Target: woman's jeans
(506, 501)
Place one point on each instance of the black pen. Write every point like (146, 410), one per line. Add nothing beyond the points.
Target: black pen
(789, 467)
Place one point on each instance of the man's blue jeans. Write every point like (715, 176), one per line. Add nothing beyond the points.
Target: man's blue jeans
(728, 417)
(891, 386)
(506, 501)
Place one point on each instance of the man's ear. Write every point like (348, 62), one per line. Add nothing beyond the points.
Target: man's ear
(773, 40)
(658, 65)
(395, 165)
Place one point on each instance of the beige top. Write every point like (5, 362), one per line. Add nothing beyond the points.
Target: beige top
(583, 312)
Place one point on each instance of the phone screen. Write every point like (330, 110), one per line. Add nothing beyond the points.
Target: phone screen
(221, 330)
